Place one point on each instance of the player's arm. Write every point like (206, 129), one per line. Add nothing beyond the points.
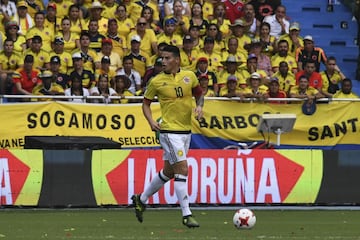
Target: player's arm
(154, 125)
(199, 98)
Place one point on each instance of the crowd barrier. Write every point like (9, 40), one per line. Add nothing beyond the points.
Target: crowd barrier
(92, 178)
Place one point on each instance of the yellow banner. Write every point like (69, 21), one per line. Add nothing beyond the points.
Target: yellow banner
(120, 123)
(331, 124)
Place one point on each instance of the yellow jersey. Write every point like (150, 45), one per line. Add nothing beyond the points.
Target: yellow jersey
(340, 94)
(11, 63)
(285, 83)
(40, 58)
(174, 93)
(66, 62)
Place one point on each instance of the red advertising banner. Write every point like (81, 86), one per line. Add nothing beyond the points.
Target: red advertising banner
(20, 177)
(215, 177)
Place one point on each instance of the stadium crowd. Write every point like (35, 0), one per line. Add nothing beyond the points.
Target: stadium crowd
(246, 49)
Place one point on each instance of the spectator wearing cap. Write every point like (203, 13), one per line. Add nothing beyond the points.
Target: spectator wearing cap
(293, 38)
(71, 39)
(95, 13)
(310, 52)
(9, 8)
(88, 54)
(26, 77)
(278, 23)
(148, 38)
(121, 86)
(23, 18)
(197, 18)
(234, 9)
(208, 52)
(95, 36)
(204, 84)
(132, 74)
(231, 88)
(87, 77)
(285, 77)
(138, 5)
(231, 65)
(252, 24)
(48, 87)
(214, 32)
(125, 24)
(304, 91)
(194, 32)
(12, 33)
(238, 29)
(202, 67)
(62, 7)
(58, 50)
(77, 23)
(256, 89)
(283, 55)
(219, 18)
(141, 59)
(35, 6)
(263, 60)
(106, 50)
(169, 36)
(105, 69)
(118, 41)
(9, 62)
(41, 57)
(274, 91)
(232, 50)
(52, 21)
(188, 54)
(60, 78)
(251, 67)
(39, 29)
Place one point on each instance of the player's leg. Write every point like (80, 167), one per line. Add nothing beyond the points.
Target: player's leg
(157, 182)
(180, 147)
(139, 200)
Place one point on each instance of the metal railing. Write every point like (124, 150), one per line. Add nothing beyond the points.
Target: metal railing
(105, 100)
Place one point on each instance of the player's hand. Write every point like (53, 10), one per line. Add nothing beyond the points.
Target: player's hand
(155, 126)
(199, 114)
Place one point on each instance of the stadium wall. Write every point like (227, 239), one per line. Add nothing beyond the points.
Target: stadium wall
(92, 178)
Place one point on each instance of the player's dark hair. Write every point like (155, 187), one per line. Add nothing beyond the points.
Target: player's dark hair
(172, 49)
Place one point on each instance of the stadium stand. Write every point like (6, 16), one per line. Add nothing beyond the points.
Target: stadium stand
(333, 29)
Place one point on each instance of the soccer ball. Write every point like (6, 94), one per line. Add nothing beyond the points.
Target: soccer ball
(244, 219)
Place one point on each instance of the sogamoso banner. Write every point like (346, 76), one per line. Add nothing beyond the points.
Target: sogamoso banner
(333, 126)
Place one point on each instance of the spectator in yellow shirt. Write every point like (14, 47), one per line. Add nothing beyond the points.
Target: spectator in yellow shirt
(346, 90)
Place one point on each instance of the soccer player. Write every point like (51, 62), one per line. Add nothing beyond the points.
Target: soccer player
(174, 89)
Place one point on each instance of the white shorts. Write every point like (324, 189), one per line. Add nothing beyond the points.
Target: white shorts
(175, 146)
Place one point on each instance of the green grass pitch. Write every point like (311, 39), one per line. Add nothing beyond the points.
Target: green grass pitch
(110, 223)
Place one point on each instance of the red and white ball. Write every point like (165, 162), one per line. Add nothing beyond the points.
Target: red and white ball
(244, 218)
